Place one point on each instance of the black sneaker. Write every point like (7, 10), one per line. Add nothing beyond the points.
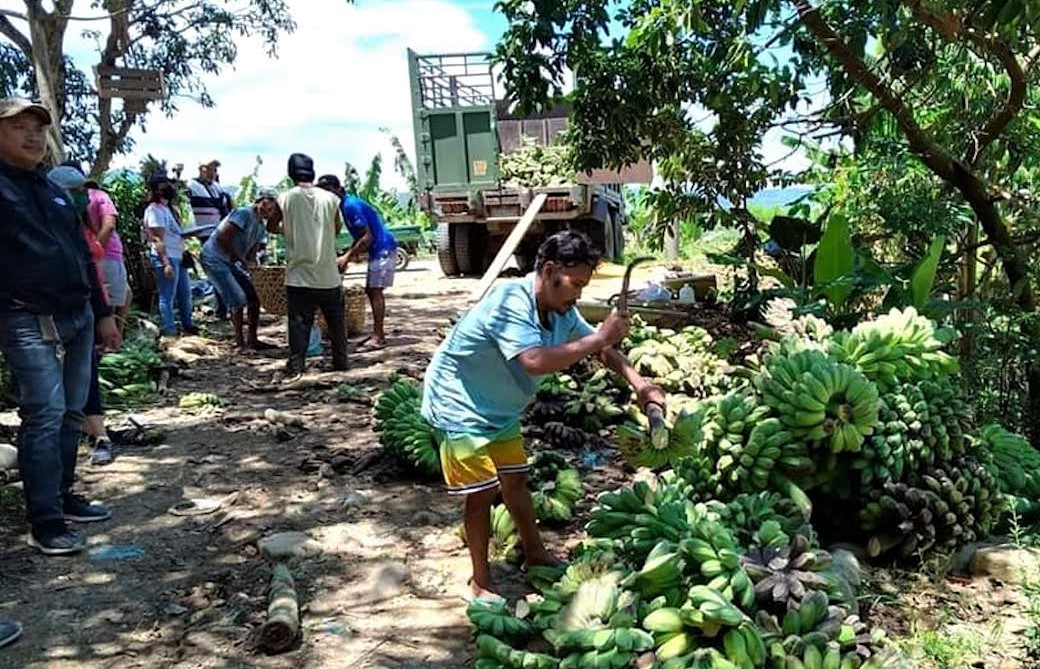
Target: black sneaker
(190, 331)
(69, 541)
(9, 631)
(79, 510)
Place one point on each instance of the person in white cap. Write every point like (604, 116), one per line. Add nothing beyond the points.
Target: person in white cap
(51, 303)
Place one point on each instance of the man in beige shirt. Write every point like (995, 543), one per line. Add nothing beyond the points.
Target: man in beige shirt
(311, 219)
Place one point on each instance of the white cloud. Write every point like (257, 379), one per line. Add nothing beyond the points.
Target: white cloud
(337, 79)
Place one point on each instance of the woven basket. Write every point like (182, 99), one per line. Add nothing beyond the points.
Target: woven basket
(269, 281)
(354, 311)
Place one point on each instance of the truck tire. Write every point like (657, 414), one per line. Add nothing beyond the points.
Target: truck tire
(468, 246)
(619, 239)
(446, 249)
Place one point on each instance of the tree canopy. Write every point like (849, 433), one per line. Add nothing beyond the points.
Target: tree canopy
(948, 86)
(185, 40)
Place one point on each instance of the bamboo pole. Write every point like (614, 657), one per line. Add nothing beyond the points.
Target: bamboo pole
(282, 627)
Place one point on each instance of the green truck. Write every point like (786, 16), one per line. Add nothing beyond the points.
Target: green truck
(461, 129)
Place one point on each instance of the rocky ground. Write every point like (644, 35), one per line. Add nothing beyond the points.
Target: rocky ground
(382, 562)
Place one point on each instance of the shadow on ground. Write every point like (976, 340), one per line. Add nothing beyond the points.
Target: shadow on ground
(381, 591)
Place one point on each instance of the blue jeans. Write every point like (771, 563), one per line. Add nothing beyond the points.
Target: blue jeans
(50, 362)
(176, 290)
(232, 284)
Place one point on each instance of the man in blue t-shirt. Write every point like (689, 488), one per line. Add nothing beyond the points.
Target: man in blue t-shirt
(369, 232)
(228, 252)
(485, 373)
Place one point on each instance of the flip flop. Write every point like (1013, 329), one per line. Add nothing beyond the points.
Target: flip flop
(466, 595)
(367, 347)
(264, 346)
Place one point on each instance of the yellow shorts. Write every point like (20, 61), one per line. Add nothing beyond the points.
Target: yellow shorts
(471, 464)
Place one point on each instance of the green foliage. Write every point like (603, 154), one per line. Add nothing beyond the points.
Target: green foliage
(187, 42)
(834, 261)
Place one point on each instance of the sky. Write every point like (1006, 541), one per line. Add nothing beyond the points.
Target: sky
(339, 78)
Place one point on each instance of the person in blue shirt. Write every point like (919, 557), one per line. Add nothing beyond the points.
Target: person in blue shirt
(370, 234)
(225, 256)
(486, 372)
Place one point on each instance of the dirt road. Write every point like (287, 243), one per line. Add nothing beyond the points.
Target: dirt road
(164, 590)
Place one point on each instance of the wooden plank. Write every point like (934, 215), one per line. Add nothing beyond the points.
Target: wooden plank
(512, 241)
(131, 95)
(109, 70)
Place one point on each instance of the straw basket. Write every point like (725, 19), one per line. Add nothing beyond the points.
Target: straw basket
(269, 281)
(353, 314)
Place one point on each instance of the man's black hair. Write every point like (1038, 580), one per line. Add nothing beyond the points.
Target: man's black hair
(568, 248)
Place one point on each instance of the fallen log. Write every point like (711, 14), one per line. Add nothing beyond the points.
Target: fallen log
(282, 627)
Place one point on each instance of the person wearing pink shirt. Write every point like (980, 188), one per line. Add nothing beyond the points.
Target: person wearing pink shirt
(102, 216)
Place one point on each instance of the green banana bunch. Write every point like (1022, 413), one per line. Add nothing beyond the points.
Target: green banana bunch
(896, 347)
(495, 619)
(661, 573)
(555, 486)
(402, 430)
(639, 517)
(200, 402)
(491, 649)
(728, 421)
(703, 480)
(591, 607)
(685, 438)
(824, 401)
(1014, 462)
(713, 558)
(762, 519)
(747, 468)
(504, 534)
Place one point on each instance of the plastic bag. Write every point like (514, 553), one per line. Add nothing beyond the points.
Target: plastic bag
(314, 348)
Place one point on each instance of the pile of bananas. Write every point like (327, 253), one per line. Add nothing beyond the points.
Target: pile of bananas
(586, 396)
(818, 636)
(827, 402)
(637, 518)
(683, 362)
(555, 487)
(596, 627)
(897, 347)
(402, 430)
(200, 402)
(944, 509)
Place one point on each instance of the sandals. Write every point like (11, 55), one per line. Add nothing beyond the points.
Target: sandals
(466, 594)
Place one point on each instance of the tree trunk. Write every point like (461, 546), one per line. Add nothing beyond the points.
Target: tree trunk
(47, 32)
(1017, 272)
(671, 239)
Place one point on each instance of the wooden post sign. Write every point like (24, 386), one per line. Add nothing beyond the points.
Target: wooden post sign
(137, 87)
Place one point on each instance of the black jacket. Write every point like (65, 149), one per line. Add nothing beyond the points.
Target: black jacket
(45, 264)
